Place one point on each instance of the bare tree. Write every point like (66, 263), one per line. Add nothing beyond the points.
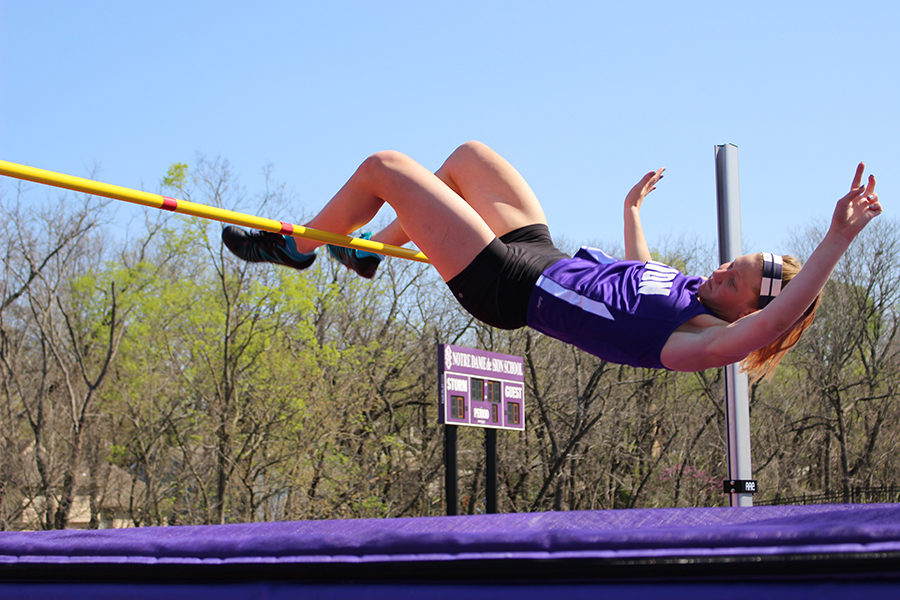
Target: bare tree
(40, 245)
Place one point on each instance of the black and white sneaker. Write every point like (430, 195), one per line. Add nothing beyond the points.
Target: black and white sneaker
(264, 246)
(363, 262)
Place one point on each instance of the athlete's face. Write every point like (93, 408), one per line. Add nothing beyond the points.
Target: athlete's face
(732, 291)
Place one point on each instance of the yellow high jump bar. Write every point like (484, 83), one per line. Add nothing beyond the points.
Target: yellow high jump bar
(89, 186)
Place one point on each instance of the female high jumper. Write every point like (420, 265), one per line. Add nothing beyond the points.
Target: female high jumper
(485, 232)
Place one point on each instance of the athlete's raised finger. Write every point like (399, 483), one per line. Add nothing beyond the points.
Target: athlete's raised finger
(857, 179)
(870, 186)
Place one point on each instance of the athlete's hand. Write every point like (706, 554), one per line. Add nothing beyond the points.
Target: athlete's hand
(647, 184)
(854, 211)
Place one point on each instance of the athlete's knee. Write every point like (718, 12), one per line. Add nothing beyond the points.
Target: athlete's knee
(386, 163)
(386, 160)
(471, 151)
(466, 159)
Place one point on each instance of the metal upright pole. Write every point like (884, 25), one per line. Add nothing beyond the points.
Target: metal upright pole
(740, 485)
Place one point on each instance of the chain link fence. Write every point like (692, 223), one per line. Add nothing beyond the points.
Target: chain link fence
(855, 495)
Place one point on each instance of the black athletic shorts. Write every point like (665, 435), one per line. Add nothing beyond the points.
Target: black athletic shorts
(496, 286)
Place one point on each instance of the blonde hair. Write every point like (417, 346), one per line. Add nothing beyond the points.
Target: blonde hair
(762, 362)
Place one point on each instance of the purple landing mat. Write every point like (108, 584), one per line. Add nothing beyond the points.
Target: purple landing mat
(697, 550)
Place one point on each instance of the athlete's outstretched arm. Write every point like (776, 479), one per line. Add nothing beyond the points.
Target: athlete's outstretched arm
(717, 346)
(635, 244)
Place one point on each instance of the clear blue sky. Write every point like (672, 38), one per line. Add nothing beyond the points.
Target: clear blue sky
(583, 97)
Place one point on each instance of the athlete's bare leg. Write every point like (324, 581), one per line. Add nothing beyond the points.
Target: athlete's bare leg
(493, 187)
(443, 225)
(488, 183)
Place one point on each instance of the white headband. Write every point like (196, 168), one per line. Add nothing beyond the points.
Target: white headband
(771, 278)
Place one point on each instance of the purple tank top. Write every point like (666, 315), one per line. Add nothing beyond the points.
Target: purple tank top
(621, 311)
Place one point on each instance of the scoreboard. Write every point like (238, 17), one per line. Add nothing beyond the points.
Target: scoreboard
(480, 389)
